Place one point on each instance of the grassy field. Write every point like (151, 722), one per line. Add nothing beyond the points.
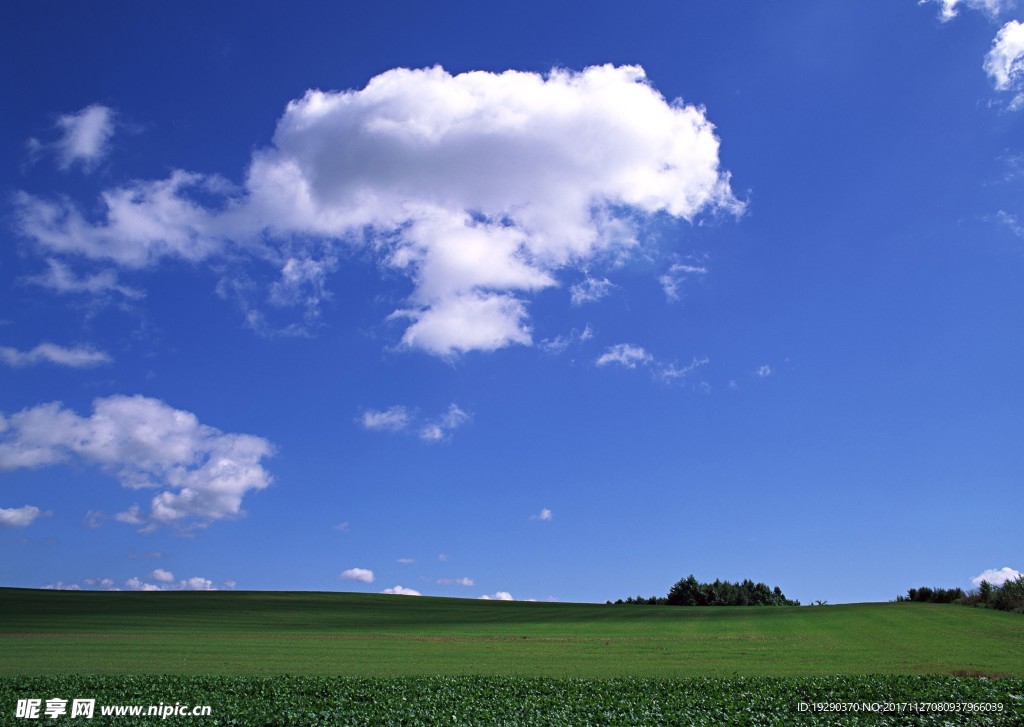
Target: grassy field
(343, 634)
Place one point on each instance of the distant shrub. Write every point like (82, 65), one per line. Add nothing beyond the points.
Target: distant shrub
(690, 592)
(933, 595)
(1007, 597)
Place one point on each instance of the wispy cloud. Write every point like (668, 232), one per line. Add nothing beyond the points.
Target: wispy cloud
(84, 138)
(949, 9)
(77, 357)
(440, 429)
(394, 419)
(60, 278)
(544, 515)
(625, 354)
(456, 582)
(590, 290)
(672, 279)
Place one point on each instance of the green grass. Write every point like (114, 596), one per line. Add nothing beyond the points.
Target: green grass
(343, 634)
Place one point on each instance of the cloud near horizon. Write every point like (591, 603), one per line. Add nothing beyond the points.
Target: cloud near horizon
(480, 188)
(202, 473)
(996, 577)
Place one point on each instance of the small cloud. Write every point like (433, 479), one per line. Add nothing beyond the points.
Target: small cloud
(560, 343)
(401, 591)
(394, 419)
(78, 357)
(949, 9)
(625, 354)
(84, 139)
(544, 515)
(164, 576)
(196, 584)
(996, 577)
(590, 290)
(1004, 63)
(135, 584)
(441, 429)
(363, 575)
(20, 517)
(672, 280)
(406, 561)
(763, 372)
(94, 519)
(342, 527)
(499, 596)
(59, 278)
(671, 372)
(230, 585)
(456, 582)
(1012, 222)
(442, 557)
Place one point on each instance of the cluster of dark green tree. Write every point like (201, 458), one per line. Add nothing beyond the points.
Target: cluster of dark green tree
(691, 592)
(1007, 597)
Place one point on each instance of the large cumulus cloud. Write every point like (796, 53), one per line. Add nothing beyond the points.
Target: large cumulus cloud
(480, 187)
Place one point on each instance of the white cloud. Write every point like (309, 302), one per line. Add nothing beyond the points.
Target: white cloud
(94, 519)
(670, 372)
(996, 577)
(230, 584)
(363, 575)
(499, 596)
(61, 279)
(1005, 61)
(590, 290)
(480, 187)
(625, 354)
(19, 517)
(136, 584)
(544, 515)
(949, 9)
(187, 584)
(456, 582)
(672, 280)
(77, 357)
(85, 137)
(143, 223)
(763, 372)
(401, 591)
(164, 576)
(441, 429)
(196, 584)
(394, 419)
(202, 473)
(406, 561)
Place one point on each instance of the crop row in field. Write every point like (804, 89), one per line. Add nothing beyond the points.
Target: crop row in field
(521, 700)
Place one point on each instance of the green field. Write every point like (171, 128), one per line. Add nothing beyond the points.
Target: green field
(269, 633)
(340, 658)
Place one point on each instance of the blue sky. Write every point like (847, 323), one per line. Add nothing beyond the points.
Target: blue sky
(512, 300)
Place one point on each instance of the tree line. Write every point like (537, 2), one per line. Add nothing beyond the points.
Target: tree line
(691, 592)
(1007, 597)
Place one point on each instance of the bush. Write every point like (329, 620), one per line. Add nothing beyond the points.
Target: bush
(690, 592)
